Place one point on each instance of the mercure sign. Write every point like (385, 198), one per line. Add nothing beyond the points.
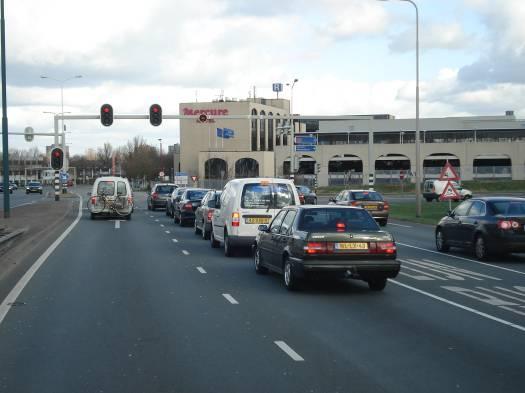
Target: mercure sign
(209, 112)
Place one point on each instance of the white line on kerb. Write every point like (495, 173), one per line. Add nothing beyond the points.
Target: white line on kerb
(174, 240)
(201, 270)
(482, 314)
(289, 351)
(399, 225)
(463, 259)
(185, 252)
(230, 298)
(19, 287)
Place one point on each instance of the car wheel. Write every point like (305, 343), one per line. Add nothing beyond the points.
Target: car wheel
(429, 199)
(383, 223)
(93, 216)
(228, 249)
(441, 243)
(176, 220)
(205, 234)
(377, 284)
(214, 243)
(181, 221)
(480, 248)
(291, 282)
(128, 217)
(149, 206)
(167, 212)
(196, 229)
(257, 261)
(315, 201)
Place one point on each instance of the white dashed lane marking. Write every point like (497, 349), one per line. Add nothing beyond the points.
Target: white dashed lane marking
(201, 270)
(185, 252)
(174, 240)
(168, 232)
(289, 351)
(230, 298)
(162, 225)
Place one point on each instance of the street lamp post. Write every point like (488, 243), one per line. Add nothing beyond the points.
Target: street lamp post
(5, 140)
(292, 133)
(418, 145)
(160, 155)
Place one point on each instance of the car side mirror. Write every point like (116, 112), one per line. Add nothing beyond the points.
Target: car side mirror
(450, 213)
(263, 228)
(331, 200)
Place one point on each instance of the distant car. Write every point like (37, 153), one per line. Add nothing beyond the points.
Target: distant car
(432, 189)
(372, 201)
(159, 195)
(111, 196)
(34, 187)
(488, 226)
(332, 241)
(173, 199)
(306, 195)
(13, 185)
(184, 209)
(70, 183)
(2, 188)
(204, 213)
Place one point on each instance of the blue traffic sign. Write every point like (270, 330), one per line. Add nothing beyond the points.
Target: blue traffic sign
(305, 140)
(305, 147)
(277, 87)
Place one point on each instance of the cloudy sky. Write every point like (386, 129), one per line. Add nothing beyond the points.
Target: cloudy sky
(350, 56)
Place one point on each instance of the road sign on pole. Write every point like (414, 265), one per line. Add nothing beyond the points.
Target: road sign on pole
(305, 148)
(449, 173)
(305, 140)
(449, 193)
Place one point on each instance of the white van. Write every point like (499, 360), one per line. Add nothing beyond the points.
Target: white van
(432, 189)
(111, 196)
(244, 205)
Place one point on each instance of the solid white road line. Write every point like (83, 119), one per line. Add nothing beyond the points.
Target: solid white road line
(19, 287)
(482, 314)
(289, 351)
(201, 270)
(230, 298)
(185, 252)
(463, 259)
(168, 232)
(399, 225)
(174, 240)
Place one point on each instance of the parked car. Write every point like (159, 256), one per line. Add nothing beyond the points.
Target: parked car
(184, 209)
(486, 225)
(173, 199)
(432, 189)
(111, 196)
(13, 185)
(2, 188)
(370, 200)
(34, 187)
(306, 195)
(159, 195)
(204, 213)
(244, 205)
(329, 241)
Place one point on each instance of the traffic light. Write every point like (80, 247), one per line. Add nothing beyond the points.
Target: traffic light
(106, 115)
(155, 115)
(57, 158)
(318, 167)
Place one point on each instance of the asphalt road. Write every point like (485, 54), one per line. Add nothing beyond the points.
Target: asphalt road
(19, 197)
(147, 306)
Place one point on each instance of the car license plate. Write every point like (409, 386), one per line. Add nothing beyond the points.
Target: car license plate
(371, 207)
(257, 220)
(351, 246)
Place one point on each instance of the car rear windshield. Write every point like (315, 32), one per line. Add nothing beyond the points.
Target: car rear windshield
(366, 196)
(263, 196)
(509, 207)
(196, 195)
(35, 184)
(165, 189)
(303, 189)
(336, 220)
(106, 188)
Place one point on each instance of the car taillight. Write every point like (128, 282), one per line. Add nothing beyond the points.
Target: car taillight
(236, 219)
(353, 203)
(154, 195)
(386, 205)
(340, 227)
(383, 248)
(210, 214)
(301, 199)
(315, 248)
(188, 206)
(508, 224)
(130, 200)
(93, 200)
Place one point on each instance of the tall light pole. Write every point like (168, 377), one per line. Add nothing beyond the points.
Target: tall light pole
(292, 130)
(160, 155)
(5, 140)
(418, 145)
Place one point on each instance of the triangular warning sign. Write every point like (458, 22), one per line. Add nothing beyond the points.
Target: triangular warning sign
(448, 173)
(194, 178)
(449, 192)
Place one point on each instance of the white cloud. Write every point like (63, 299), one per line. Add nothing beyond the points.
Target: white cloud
(433, 36)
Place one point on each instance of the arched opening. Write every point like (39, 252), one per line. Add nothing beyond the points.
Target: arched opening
(434, 163)
(391, 167)
(492, 167)
(254, 131)
(215, 168)
(345, 169)
(262, 133)
(270, 132)
(246, 167)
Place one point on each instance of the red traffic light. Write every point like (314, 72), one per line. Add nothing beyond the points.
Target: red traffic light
(105, 109)
(57, 158)
(56, 153)
(106, 115)
(155, 115)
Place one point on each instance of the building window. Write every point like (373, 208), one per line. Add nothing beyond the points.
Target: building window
(254, 131)
(270, 133)
(278, 132)
(262, 133)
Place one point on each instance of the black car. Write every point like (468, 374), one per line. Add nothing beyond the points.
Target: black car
(34, 187)
(159, 195)
(332, 241)
(487, 225)
(173, 199)
(306, 195)
(184, 209)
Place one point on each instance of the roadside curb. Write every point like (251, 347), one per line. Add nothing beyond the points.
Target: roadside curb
(11, 235)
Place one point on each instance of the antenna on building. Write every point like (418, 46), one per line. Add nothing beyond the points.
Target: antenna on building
(254, 92)
(196, 96)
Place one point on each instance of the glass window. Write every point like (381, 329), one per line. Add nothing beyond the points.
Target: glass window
(165, 189)
(283, 195)
(303, 189)
(366, 196)
(262, 133)
(106, 188)
(326, 220)
(477, 209)
(508, 207)
(276, 223)
(278, 132)
(194, 195)
(262, 196)
(288, 222)
(270, 133)
(121, 188)
(254, 131)
(462, 209)
(339, 196)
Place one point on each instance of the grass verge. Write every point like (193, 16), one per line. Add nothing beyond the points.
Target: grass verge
(431, 212)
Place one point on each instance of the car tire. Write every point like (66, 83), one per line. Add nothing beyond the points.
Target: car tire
(196, 230)
(128, 217)
(40, 192)
(257, 262)
(149, 206)
(205, 234)
(214, 243)
(315, 201)
(182, 222)
(228, 249)
(480, 248)
(167, 211)
(377, 283)
(93, 216)
(383, 223)
(176, 220)
(429, 199)
(291, 282)
(441, 241)
(27, 192)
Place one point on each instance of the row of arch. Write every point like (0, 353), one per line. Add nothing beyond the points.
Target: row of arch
(217, 168)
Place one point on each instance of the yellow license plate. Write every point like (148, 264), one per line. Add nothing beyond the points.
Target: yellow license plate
(257, 220)
(351, 246)
(370, 207)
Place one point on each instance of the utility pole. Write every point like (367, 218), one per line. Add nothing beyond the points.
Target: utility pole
(5, 140)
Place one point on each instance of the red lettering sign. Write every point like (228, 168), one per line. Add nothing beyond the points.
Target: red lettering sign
(209, 112)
